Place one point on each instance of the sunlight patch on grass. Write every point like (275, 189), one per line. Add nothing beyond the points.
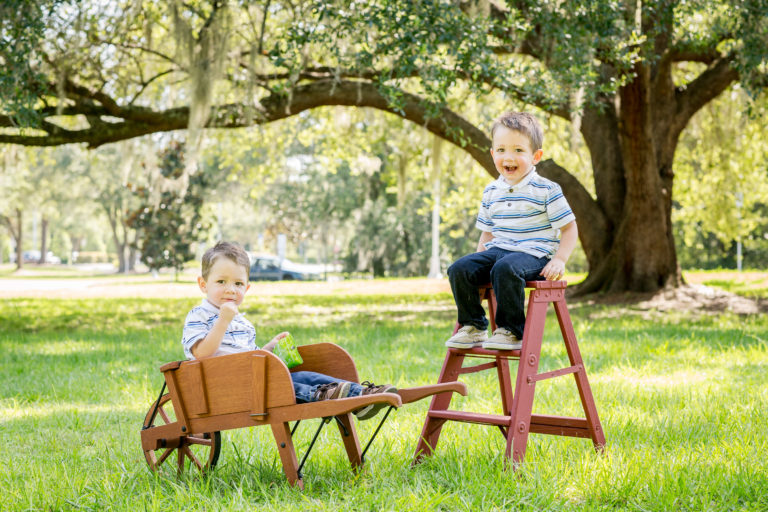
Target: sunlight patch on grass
(641, 378)
(38, 410)
(65, 347)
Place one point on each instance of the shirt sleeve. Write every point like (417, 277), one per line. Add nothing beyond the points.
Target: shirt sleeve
(484, 220)
(558, 209)
(196, 327)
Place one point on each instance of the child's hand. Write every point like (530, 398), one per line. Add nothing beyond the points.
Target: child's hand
(279, 337)
(553, 270)
(271, 345)
(228, 311)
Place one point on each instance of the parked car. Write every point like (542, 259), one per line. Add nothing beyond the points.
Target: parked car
(270, 268)
(34, 257)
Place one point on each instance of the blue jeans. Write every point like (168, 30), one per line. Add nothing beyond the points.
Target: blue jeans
(305, 384)
(507, 271)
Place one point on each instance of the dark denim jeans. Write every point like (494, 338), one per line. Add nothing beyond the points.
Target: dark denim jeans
(507, 271)
(305, 384)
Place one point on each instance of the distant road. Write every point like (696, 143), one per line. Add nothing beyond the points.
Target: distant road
(146, 286)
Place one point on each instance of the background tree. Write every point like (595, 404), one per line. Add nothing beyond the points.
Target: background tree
(169, 225)
(723, 157)
(610, 68)
(15, 196)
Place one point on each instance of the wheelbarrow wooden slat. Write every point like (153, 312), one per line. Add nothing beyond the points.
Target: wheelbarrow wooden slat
(410, 395)
(329, 408)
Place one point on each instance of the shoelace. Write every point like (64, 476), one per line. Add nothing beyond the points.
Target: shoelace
(370, 387)
(321, 389)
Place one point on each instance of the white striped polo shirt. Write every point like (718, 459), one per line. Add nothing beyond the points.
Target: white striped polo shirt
(239, 337)
(525, 217)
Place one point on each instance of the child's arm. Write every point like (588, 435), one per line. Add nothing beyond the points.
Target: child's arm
(569, 237)
(269, 347)
(485, 236)
(210, 344)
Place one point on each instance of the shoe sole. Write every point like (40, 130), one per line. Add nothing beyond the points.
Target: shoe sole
(461, 345)
(502, 346)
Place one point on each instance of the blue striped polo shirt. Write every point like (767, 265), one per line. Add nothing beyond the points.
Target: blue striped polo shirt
(525, 217)
(239, 337)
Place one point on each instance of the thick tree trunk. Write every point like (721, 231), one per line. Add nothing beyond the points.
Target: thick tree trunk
(76, 242)
(43, 240)
(132, 254)
(16, 233)
(119, 246)
(19, 236)
(642, 253)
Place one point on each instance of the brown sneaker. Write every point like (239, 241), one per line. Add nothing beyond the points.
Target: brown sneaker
(331, 391)
(369, 411)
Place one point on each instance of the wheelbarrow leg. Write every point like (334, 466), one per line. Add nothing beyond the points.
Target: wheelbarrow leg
(282, 434)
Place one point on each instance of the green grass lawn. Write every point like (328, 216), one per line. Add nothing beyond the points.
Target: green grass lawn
(682, 399)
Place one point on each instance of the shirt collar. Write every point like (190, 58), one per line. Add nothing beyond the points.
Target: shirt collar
(526, 179)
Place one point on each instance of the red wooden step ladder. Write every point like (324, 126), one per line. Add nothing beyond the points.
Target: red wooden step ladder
(517, 420)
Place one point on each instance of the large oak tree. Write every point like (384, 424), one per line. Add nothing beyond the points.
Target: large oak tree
(628, 74)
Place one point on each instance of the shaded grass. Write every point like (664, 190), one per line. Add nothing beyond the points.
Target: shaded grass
(682, 400)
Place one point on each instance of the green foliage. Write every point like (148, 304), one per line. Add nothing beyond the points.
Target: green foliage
(169, 227)
(79, 375)
(720, 187)
(22, 82)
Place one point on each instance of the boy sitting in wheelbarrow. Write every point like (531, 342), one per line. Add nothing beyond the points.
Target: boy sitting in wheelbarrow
(216, 327)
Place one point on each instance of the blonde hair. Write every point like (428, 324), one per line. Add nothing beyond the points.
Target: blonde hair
(229, 250)
(524, 123)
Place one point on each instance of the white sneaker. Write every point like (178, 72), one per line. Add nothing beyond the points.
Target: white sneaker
(468, 336)
(503, 339)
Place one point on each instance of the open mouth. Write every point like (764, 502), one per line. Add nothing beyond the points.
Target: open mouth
(509, 168)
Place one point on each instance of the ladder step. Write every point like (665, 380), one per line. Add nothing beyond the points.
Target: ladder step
(472, 417)
(560, 426)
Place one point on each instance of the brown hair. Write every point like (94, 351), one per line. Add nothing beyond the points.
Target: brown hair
(229, 250)
(524, 123)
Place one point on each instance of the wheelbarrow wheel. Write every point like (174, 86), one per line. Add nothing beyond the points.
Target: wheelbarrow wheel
(200, 450)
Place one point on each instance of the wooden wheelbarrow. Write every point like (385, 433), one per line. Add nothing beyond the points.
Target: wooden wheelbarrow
(251, 389)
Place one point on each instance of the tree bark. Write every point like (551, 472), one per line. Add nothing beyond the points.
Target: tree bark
(17, 232)
(43, 240)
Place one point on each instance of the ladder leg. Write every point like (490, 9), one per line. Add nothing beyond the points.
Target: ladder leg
(582, 383)
(505, 385)
(517, 437)
(430, 433)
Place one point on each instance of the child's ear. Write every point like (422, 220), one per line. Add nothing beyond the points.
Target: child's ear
(201, 284)
(537, 156)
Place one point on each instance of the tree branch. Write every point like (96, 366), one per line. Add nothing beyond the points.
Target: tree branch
(707, 86)
(491, 80)
(594, 228)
